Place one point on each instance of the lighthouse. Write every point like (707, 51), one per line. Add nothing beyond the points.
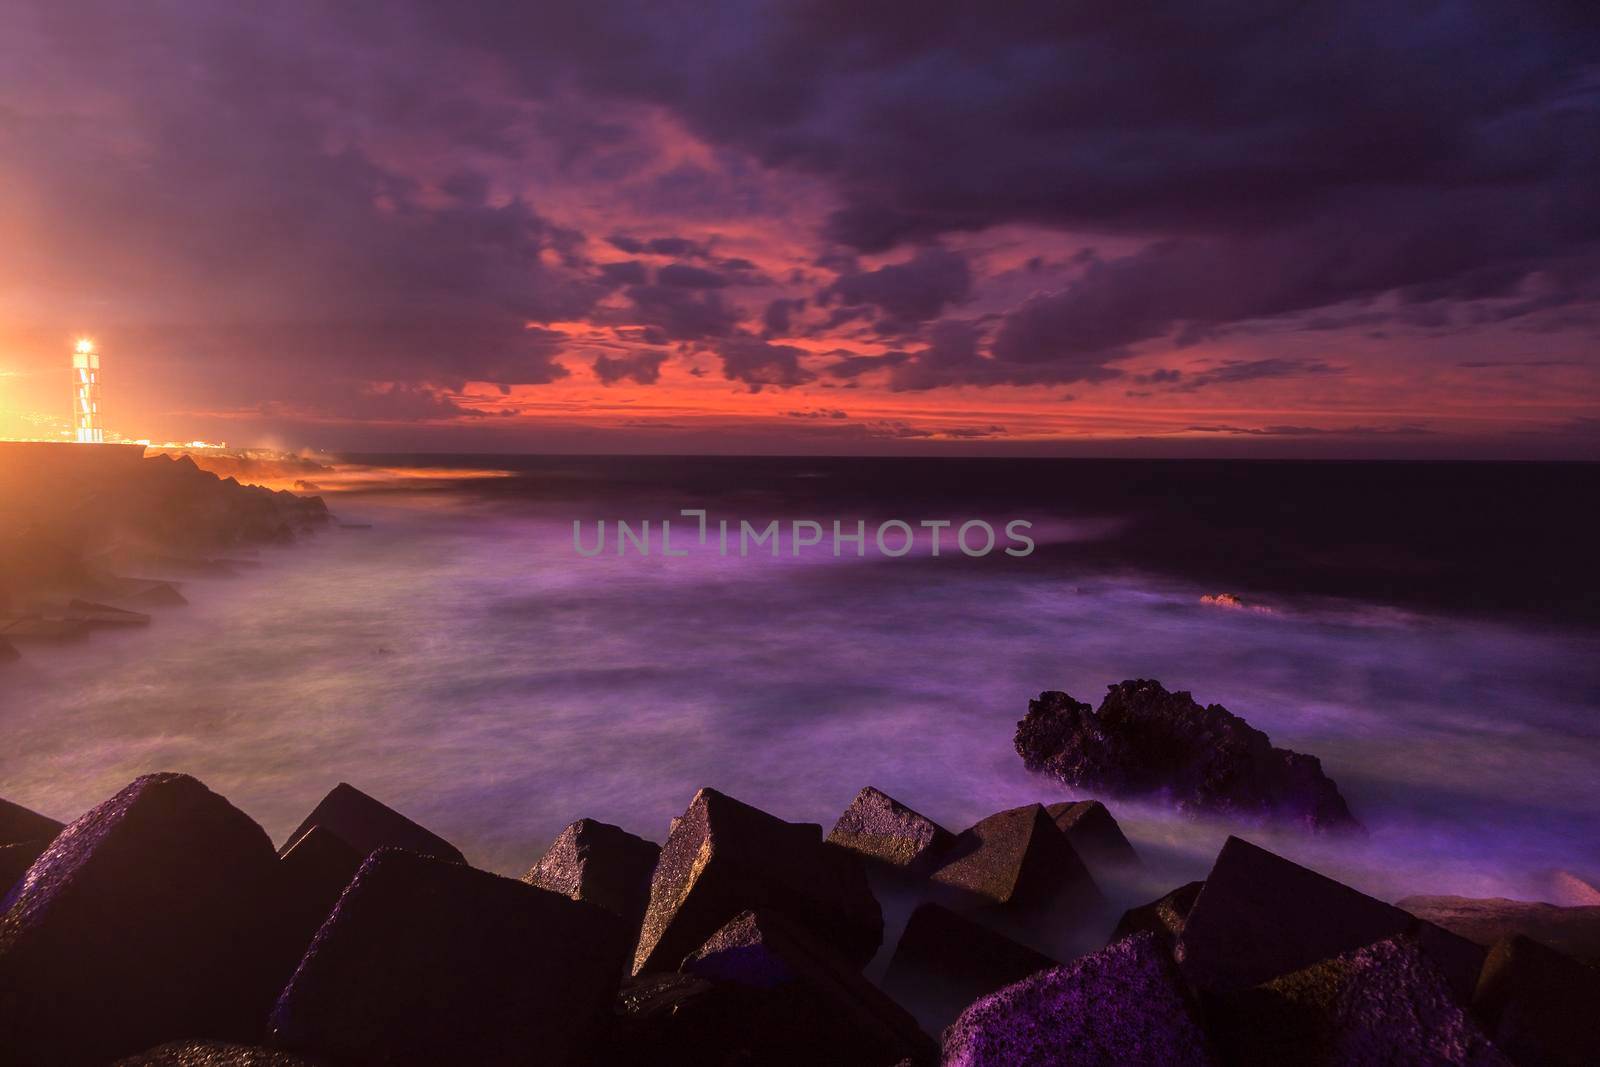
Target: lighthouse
(86, 394)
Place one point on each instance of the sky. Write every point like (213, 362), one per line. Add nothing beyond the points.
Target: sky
(1275, 229)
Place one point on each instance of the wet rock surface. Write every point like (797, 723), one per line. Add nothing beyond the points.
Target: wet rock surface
(367, 825)
(1123, 1004)
(1260, 916)
(148, 919)
(425, 961)
(1574, 931)
(1144, 740)
(312, 873)
(1387, 1003)
(214, 1054)
(886, 832)
(603, 865)
(723, 857)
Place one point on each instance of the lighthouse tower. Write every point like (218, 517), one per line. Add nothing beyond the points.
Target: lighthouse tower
(86, 394)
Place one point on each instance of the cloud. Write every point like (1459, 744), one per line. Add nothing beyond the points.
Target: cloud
(908, 293)
(643, 368)
(759, 364)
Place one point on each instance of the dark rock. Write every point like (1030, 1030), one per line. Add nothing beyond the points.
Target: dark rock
(1574, 931)
(723, 857)
(1164, 917)
(1386, 1003)
(147, 920)
(424, 961)
(1147, 741)
(1021, 875)
(1539, 1005)
(214, 1054)
(18, 824)
(367, 825)
(1096, 836)
(1259, 916)
(1122, 1005)
(313, 871)
(825, 1001)
(886, 832)
(944, 962)
(602, 864)
(8, 651)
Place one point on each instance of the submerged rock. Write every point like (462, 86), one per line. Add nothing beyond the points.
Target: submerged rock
(1539, 1005)
(1387, 1003)
(149, 919)
(723, 857)
(603, 865)
(1122, 1005)
(1259, 916)
(1574, 931)
(944, 961)
(886, 832)
(1145, 740)
(424, 961)
(367, 825)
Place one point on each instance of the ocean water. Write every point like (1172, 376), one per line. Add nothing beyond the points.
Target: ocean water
(461, 662)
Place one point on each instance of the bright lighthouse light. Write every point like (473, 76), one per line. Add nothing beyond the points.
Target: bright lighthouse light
(85, 346)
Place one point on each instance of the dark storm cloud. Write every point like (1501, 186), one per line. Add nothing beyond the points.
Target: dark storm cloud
(682, 314)
(759, 364)
(644, 368)
(910, 292)
(1289, 157)
(684, 276)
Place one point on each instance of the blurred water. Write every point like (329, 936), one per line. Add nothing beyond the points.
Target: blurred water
(460, 662)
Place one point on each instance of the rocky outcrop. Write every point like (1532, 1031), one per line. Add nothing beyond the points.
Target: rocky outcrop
(1573, 931)
(367, 825)
(18, 824)
(1123, 1004)
(723, 857)
(426, 962)
(1381, 1004)
(214, 1054)
(148, 919)
(890, 835)
(1144, 740)
(312, 874)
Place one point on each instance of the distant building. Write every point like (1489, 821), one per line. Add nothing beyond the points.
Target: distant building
(86, 395)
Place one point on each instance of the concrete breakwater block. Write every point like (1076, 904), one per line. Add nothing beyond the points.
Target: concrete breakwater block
(150, 918)
(723, 857)
(424, 961)
(1124, 1004)
(603, 865)
(367, 825)
(1260, 916)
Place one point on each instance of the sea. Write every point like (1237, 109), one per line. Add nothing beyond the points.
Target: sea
(1431, 631)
